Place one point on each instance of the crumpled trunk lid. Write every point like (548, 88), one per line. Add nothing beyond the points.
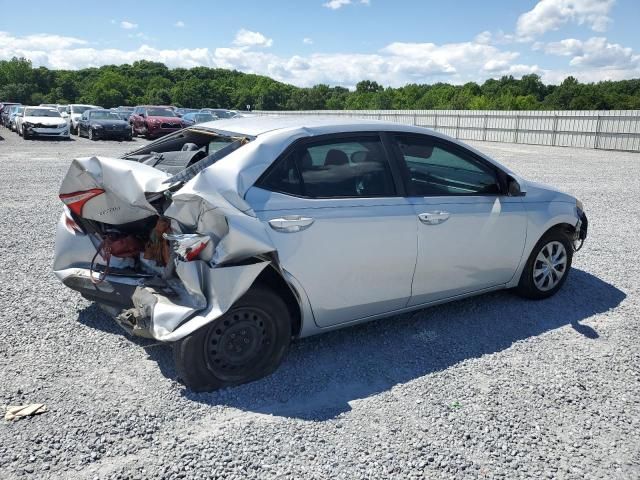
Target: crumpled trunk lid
(125, 184)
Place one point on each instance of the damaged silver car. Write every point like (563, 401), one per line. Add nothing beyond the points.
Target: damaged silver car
(231, 238)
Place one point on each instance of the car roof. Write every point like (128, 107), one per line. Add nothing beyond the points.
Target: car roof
(314, 125)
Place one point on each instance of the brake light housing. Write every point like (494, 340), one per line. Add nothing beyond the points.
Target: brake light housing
(75, 201)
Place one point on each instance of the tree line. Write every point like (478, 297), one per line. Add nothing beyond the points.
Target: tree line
(146, 82)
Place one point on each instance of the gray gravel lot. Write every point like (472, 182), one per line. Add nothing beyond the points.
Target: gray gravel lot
(489, 387)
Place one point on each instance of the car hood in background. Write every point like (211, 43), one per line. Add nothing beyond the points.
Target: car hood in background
(45, 120)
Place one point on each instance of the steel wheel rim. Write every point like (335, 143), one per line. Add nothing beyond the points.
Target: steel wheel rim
(238, 342)
(550, 266)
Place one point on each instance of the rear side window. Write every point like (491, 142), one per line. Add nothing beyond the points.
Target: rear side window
(438, 169)
(347, 167)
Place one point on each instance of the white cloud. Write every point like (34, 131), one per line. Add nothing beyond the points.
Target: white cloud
(396, 64)
(549, 15)
(40, 41)
(307, 41)
(179, 24)
(247, 38)
(128, 25)
(337, 4)
(596, 52)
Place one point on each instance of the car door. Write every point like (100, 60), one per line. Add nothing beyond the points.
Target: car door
(470, 234)
(341, 225)
(82, 124)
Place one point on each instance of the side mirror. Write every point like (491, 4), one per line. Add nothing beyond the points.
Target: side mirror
(513, 188)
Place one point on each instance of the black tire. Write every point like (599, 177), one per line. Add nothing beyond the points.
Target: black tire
(245, 344)
(133, 131)
(91, 135)
(25, 134)
(528, 287)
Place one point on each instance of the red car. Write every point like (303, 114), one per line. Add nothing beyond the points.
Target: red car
(154, 121)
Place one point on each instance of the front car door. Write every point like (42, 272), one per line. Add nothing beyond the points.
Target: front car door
(82, 124)
(341, 224)
(470, 234)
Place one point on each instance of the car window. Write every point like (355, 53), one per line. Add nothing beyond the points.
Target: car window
(355, 167)
(437, 169)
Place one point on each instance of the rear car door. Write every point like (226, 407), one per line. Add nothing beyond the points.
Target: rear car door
(470, 235)
(341, 225)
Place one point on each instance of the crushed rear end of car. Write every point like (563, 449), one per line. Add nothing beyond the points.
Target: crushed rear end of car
(163, 238)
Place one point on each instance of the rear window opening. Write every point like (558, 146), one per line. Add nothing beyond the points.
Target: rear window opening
(187, 148)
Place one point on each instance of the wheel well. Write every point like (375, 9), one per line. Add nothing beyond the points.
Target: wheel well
(565, 228)
(271, 278)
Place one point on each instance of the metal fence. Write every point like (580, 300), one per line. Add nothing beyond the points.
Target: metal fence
(606, 130)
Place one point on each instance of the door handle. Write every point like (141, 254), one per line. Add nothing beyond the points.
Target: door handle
(290, 223)
(433, 218)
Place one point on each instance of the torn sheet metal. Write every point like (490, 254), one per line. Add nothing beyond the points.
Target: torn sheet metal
(124, 182)
(210, 205)
(208, 293)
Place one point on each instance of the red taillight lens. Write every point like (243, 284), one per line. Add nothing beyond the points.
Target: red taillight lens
(76, 200)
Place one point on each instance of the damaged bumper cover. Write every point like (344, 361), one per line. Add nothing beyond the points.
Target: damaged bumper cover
(219, 246)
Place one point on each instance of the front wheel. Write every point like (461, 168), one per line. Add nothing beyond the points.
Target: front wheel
(92, 136)
(245, 344)
(547, 267)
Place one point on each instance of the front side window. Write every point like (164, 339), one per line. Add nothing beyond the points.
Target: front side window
(349, 167)
(437, 169)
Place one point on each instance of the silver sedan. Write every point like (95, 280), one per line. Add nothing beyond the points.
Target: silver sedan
(231, 238)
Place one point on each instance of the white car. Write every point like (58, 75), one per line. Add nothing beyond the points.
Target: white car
(42, 122)
(75, 112)
(230, 238)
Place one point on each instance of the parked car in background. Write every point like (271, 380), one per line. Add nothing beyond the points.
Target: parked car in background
(42, 122)
(102, 124)
(154, 121)
(75, 113)
(5, 107)
(281, 227)
(124, 112)
(198, 117)
(220, 112)
(183, 111)
(14, 113)
(64, 110)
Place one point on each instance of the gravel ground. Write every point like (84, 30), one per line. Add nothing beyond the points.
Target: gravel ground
(489, 387)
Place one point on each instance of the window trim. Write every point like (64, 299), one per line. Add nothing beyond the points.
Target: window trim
(306, 142)
(459, 150)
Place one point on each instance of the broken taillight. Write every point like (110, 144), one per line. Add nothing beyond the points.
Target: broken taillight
(70, 223)
(76, 200)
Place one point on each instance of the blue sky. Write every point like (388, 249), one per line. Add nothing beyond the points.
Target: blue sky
(337, 41)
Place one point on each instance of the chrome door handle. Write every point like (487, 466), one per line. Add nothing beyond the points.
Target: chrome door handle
(290, 223)
(433, 218)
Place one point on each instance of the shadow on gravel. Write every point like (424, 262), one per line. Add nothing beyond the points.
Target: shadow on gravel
(322, 374)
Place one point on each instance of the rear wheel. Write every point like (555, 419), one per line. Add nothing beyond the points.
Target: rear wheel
(245, 344)
(547, 267)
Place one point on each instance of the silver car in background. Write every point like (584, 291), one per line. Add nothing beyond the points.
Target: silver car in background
(232, 237)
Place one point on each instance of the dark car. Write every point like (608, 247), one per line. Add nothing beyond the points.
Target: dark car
(124, 112)
(5, 108)
(153, 121)
(98, 123)
(198, 117)
(183, 111)
(220, 112)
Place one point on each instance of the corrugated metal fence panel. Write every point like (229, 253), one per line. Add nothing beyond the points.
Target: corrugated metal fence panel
(607, 130)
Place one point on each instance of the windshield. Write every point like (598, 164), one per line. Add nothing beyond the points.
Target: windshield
(41, 112)
(160, 112)
(104, 116)
(62, 108)
(80, 108)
